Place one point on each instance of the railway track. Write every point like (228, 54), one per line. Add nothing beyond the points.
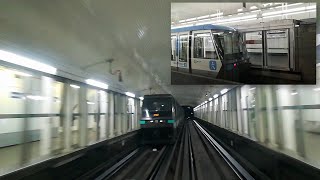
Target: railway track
(194, 156)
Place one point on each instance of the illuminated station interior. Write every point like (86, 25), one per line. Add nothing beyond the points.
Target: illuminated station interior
(74, 76)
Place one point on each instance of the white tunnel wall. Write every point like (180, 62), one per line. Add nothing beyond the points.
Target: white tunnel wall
(282, 117)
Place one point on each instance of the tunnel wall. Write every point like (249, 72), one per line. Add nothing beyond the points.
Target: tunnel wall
(273, 164)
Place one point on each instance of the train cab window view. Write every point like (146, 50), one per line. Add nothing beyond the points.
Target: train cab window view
(252, 46)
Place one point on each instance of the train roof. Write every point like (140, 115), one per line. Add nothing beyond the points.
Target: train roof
(203, 27)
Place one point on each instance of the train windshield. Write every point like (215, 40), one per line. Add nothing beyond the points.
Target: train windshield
(157, 104)
(230, 45)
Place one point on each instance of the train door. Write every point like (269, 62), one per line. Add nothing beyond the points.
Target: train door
(204, 57)
(174, 52)
(183, 52)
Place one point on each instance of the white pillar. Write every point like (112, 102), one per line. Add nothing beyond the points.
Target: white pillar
(45, 134)
(124, 114)
(83, 118)
(111, 114)
(103, 109)
(67, 116)
(118, 114)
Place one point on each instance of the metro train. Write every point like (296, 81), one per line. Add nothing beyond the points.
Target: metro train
(211, 50)
(161, 115)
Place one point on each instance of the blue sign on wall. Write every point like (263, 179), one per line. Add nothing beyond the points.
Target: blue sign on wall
(213, 65)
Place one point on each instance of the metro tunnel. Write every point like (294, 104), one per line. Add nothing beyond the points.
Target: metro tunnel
(86, 93)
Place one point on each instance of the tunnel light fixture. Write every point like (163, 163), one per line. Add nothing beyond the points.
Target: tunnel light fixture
(26, 62)
(223, 91)
(205, 102)
(90, 103)
(141, 98)
(97, 83)
(253, 88)
(240, 10)
(130, 94)
(316, 89)
(37, 98)
(294, 93)
(203, 17)
(74, 86)
(216, 14)
(253, 7)
(215, 96)
(210, 99)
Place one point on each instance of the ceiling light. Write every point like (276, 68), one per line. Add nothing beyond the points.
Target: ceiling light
(97, 83)
(258, 10)
(253, 7)
(37, 98)
(130, 94)
(191, 19)
(287, 14)
(91, 103)
(240, 13)
(316, 89)
(240, 10)
(205, 102)
(253, 88)
(26, 62)
(182, 21)
(210, 99)
(75, 86)
(215, 96)
(294, 93)
(216, 14)
(223, 91)
(203, 17)
(284, 11)
(288, 5)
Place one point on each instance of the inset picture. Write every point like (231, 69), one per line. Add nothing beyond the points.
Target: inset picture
(243, 43)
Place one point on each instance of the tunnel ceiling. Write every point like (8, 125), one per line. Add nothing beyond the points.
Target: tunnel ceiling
(136, 34)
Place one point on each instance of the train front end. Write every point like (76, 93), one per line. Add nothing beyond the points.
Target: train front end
(158, 120)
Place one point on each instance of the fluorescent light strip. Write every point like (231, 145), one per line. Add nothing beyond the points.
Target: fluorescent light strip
(26, 62)
(217, 14)
(97, 83)
(288, 5)
(203, 17)
(253, 7)
(75, 86)
(223, 91)
(191, 19)
(229, 20)
(289, 14)
(130, 94)
(288, 11)
(37, 98)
